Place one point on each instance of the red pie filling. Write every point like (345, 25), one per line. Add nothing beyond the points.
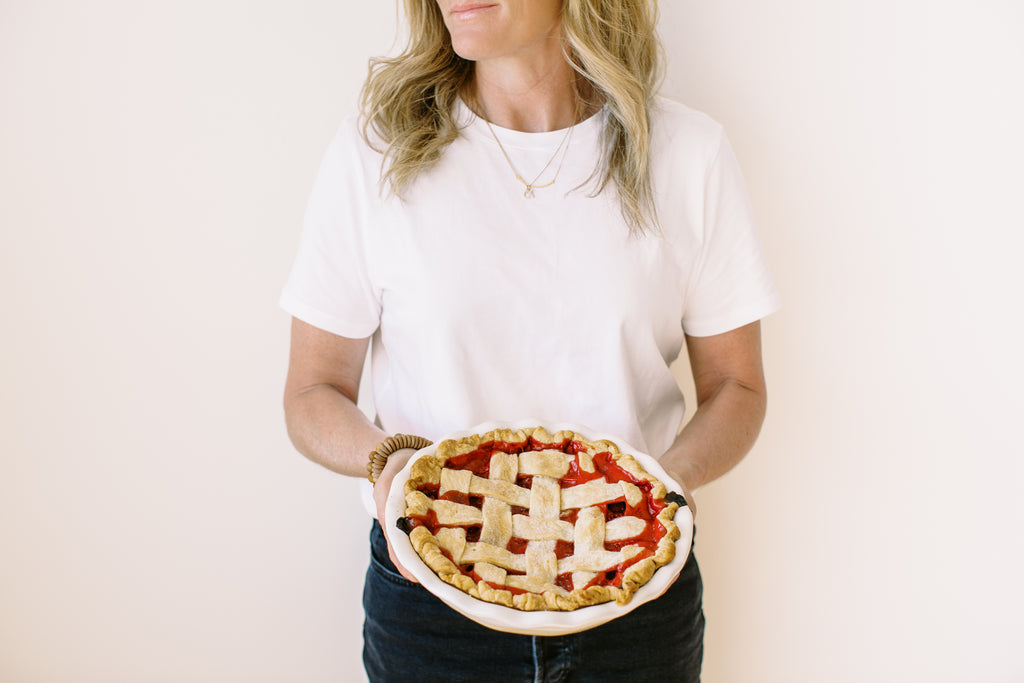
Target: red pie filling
(479, 462)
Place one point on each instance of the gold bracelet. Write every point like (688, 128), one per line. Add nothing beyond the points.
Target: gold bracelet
(379, 456)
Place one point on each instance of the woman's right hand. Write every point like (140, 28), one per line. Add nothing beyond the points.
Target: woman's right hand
(381, 489)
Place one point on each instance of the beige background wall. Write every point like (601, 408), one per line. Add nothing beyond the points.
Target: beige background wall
(155, 524)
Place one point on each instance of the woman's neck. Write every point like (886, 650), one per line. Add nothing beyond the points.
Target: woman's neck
(531, 97)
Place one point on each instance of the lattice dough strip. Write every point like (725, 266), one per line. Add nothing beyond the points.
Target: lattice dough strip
(548, 463)
(588, 534)
(594, 492)
(621, 528)
(489, 572)
(497, 522)
(599, 561)
(545, 498)
(504, 467)
(456, 513)
(541, 529)
(485, 552)
(502, 490)
(586, 461)
(580, 579)
(455, 480)
(452, 539)
(541, 561)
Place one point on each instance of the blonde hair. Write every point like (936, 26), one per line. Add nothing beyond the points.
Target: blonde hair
(408, 100)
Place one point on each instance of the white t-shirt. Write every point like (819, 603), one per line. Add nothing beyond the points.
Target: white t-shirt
(486, 305)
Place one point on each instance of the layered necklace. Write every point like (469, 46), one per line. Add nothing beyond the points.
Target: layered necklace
(529, 187)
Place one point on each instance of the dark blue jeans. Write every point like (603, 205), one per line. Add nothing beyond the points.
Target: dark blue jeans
(410, 635)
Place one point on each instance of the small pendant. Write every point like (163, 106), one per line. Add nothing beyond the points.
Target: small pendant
(528, 192)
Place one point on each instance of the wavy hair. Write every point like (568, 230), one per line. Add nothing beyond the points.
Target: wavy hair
(408, 100)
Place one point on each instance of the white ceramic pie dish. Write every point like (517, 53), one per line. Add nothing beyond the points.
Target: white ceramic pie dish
(540, 623)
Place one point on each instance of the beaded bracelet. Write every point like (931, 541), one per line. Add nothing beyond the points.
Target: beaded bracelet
(379, 456)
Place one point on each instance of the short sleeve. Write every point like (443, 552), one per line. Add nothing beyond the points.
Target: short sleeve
(731, 285)
(330, 285)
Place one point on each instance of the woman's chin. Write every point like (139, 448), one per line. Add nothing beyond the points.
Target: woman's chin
(471, 49)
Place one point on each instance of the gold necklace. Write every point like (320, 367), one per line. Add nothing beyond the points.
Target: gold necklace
(530, 187)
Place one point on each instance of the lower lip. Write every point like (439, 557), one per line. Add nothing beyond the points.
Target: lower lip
(471, 12)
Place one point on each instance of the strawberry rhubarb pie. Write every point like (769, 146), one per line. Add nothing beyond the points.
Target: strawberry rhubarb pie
(539, 521)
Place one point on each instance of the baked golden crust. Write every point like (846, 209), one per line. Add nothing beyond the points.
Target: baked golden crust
(465, 506)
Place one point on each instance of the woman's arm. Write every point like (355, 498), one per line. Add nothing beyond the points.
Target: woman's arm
(324, 422)
(731, 400)
(320, 397)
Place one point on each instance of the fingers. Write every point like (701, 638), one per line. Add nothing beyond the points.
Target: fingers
(381, 490)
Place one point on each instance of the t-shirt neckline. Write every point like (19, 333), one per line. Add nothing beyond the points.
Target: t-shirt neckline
(587, 131)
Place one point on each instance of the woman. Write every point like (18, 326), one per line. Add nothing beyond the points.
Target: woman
(523, 229)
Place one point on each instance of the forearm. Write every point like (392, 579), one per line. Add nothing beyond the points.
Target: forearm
(719, 435)
(329, 428)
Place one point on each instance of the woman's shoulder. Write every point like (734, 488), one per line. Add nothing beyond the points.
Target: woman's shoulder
(349, 166)
(679, 131)
(675, 115)
(350, 156)
(354, 137)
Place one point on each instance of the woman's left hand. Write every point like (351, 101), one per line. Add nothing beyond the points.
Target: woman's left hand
(381, 489)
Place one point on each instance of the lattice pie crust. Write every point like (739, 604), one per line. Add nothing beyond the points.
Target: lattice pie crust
(539, 521)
